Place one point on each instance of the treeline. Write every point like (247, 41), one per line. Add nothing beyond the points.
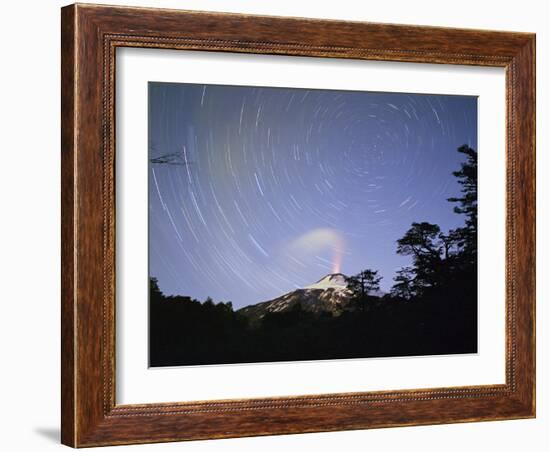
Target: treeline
(431, 309)
(187, 332)
(444, 264)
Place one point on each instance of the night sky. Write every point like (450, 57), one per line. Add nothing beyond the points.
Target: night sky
(255, 191)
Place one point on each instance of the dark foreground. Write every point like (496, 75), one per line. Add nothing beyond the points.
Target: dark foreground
(187, 332)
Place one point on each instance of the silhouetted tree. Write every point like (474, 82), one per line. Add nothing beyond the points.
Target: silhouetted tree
(405, 285)
(363, 284)
(439, 257)
(452, 243)
(422, 241)
(154, 290)
(208, 302)
(467, 203)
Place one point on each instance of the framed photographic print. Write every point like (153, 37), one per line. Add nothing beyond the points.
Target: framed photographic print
(279, 225)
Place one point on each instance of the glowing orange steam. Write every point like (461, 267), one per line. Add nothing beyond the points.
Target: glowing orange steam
(318, 240)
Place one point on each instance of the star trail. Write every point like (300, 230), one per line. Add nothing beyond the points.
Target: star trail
(255, 191)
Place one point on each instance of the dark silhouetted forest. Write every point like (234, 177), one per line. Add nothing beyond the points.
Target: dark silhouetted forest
(430, 310)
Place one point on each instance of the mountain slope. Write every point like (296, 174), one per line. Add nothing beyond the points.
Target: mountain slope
(329, 294)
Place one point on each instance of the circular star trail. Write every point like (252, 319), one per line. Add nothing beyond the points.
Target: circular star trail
(256, 191)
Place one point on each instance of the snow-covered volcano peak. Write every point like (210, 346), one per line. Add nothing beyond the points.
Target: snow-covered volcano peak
(330, 281)
(329, 294)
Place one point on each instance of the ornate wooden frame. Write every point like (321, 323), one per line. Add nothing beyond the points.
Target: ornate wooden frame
(90, 35)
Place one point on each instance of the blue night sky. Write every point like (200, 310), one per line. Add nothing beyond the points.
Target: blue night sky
(270, 189)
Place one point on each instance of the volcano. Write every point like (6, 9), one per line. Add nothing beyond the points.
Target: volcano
(331, 281)
(330, 294)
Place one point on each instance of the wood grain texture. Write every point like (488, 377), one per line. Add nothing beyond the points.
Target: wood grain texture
(90, 36)
(68, 147)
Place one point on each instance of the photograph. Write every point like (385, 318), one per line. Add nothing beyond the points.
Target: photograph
(278, 220)
(294, 224)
